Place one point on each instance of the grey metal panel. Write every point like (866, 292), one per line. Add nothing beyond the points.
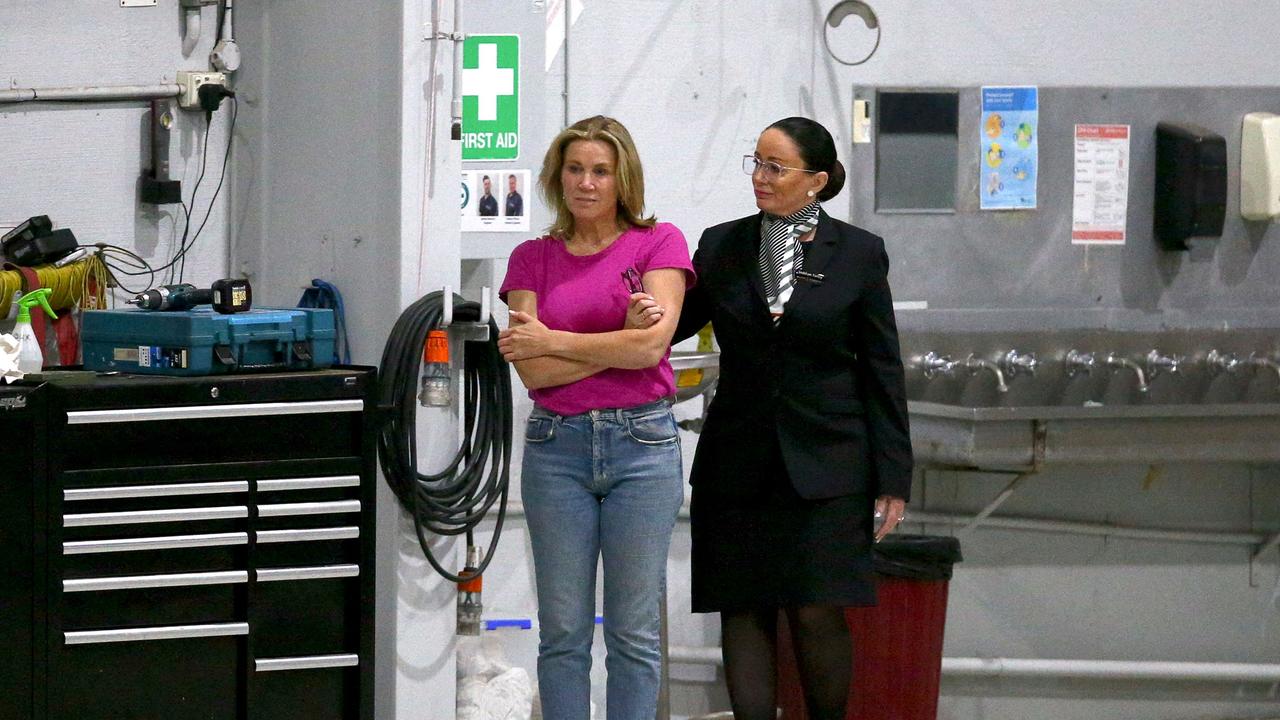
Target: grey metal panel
(311, 662)
(202, 412)
(167, 632)
(316, 483)
(309, 508)
(166, 542)
(1011, 263)
(322, 572)
(307, 534)
(154, 516)
(135, 582)
(146, 491)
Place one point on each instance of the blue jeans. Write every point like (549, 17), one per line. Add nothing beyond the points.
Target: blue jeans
(604, 483)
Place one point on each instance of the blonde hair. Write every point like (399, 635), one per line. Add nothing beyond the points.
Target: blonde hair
(629, 173)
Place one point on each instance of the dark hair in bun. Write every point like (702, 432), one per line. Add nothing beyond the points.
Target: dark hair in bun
(817, 149)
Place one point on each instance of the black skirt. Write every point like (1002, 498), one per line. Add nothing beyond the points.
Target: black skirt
(776, 549)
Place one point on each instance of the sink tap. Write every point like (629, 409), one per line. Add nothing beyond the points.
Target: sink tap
(1115, 361)
(1077, 362)
(1157, 363)
(934, 364)
(1262, 361)
(1015, 363)
(1220, 362)
(975, 363)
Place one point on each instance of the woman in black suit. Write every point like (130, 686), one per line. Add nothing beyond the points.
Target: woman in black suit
(807, 433)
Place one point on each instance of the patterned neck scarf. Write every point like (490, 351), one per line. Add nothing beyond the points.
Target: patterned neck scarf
(780, 254)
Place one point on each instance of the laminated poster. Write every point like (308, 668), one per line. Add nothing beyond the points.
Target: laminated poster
(1010, 155)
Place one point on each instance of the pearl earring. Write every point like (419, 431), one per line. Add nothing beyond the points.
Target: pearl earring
(810, 193)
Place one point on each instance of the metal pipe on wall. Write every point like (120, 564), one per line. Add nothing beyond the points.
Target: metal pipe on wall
(1066, 527)
(568, 23)
(90, 93)
(455, 130)
(1030, 667)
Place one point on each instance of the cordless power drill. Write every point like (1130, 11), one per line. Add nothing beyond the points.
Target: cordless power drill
(227, 296)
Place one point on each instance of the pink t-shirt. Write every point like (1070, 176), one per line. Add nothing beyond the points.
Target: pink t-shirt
(586, 294)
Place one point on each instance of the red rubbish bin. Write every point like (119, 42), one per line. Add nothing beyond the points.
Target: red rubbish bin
(897, 645)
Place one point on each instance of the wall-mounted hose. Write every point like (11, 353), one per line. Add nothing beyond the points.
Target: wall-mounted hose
(456, 499)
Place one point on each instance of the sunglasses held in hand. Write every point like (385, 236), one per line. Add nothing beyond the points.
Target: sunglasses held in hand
(632, 280)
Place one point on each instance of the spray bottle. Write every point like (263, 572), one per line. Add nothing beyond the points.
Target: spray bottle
(30, 356)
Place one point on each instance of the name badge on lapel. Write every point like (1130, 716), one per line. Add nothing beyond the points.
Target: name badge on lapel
(810, 277)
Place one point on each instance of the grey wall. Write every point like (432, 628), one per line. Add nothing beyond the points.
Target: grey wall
(695, 81)
(79, 163)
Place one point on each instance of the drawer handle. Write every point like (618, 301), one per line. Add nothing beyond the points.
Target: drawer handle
(284, 536)
(322, 572)
(148, 491)
(167, 542)
(136, 582)
(335, 507)
(168, 632)
(310, 662)
(154, 516)
(204, 412)
(317, 483)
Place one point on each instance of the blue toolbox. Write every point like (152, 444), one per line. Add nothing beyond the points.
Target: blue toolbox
(203, 342)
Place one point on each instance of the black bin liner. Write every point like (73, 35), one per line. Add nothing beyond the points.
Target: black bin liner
(916, 557)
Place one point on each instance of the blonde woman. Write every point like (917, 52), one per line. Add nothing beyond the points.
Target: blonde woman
(601, 474)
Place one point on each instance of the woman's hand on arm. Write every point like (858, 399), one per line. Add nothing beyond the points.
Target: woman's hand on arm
(643, 311)
(537, 371)
(630, 348)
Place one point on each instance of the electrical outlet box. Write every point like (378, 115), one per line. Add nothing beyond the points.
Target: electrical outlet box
(190, 82)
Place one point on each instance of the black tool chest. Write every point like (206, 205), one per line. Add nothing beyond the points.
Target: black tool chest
(198, 548)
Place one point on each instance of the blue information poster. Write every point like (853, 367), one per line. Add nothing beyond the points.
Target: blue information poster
(1010, 131)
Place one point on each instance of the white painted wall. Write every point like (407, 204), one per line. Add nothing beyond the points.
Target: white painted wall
(79, 163)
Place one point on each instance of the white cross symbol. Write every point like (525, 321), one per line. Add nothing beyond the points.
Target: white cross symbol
(488, 81)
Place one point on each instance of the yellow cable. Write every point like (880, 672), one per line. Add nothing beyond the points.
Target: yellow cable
(70, 285)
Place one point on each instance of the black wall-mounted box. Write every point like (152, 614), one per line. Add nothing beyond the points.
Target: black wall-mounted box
(1191, 184)
(30, 252)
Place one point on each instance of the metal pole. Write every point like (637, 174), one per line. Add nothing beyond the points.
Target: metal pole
(90, 93)
(994, 504)
(568, 23)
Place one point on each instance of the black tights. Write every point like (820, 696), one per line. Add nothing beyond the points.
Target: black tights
(824, 657)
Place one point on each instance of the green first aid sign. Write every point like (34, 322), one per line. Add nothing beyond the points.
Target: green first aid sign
(491, 97)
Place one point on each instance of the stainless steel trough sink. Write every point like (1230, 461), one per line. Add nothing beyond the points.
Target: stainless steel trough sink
(1010, 438)
(696, 373)
(1123, 403)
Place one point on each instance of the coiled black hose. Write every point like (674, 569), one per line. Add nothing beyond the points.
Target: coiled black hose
(456, 499)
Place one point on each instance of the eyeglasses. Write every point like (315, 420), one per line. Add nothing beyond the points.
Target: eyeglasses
(771, 170)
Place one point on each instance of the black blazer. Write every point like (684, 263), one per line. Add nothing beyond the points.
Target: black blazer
(827, 380)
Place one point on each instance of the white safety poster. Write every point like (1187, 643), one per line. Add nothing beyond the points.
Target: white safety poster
(495, 200)
(1010, 148)
(1101, 204)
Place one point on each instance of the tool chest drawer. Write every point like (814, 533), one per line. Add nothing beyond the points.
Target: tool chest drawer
(192, 543)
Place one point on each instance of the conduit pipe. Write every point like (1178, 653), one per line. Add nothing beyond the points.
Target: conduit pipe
(1031, 668)
(90, 93)
(190, 29)
(1052, 526)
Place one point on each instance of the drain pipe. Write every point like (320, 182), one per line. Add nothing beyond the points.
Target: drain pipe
(1033, 668)
(190, 28)
(455, 107)
(90, 93)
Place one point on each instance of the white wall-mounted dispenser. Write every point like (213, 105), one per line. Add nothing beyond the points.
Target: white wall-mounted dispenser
(1260, 166)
